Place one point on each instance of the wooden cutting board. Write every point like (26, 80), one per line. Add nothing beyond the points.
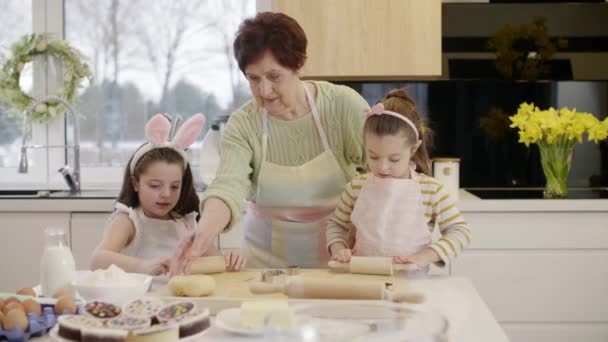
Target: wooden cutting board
(233, 287)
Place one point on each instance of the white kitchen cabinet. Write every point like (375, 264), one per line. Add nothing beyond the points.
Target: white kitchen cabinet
(542, 274)
(87, 232)
(22, 243)
(362, 39)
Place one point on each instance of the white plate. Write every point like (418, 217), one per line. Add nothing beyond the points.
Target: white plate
(54, 333)
(229, 320)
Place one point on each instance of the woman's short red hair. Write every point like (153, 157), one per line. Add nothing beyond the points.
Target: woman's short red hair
(274, 32)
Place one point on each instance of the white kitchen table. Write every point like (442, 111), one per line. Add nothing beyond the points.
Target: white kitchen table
(456, 297)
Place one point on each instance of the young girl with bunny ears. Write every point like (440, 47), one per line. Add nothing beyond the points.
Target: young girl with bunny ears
(157, 205)
(393, 209)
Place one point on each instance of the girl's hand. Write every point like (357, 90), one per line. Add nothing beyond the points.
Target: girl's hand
(235, 261)
(340, 253)
(155, 267)
(422, 259)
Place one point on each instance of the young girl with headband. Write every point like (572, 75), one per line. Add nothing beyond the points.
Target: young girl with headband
(157, 205)
(392, 210)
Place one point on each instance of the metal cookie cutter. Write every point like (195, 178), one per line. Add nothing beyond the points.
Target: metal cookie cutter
(268, 276)
(293, 270)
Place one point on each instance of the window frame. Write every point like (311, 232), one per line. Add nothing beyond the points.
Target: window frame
(48, 16)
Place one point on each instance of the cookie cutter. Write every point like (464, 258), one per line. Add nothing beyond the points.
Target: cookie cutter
(293, 270)
(270, 276)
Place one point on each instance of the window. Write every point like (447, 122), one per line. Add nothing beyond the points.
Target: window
(168, 56)
(148, 57)
(16, 21)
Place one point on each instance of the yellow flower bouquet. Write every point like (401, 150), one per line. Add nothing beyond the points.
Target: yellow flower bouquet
(555, 132)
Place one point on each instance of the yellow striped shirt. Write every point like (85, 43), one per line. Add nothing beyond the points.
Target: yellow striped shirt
(439, 210)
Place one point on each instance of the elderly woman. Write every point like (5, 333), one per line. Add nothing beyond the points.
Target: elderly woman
(289, 152)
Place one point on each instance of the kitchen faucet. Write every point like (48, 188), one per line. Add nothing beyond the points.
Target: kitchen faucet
(176, 121)
(71, 176)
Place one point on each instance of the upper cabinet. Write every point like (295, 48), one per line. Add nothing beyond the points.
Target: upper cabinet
(363, 39)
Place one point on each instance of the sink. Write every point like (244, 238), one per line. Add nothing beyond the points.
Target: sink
(59, 194)
(26, 193)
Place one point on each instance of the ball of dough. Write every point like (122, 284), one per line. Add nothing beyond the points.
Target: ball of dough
(197, 285)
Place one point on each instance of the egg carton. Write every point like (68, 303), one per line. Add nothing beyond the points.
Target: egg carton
(37, 325)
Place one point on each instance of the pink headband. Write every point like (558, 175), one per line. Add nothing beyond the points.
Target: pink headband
(378, 109)
(157, 133)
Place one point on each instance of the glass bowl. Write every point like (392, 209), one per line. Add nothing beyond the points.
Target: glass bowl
(358, 321)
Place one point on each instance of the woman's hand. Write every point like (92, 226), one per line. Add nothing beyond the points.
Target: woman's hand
(191, 247)
(340, 253)
(154, 267)
(422, 259)
(214, 218)
(235, 261)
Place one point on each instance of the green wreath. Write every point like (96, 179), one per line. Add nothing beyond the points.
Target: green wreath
(73, 66)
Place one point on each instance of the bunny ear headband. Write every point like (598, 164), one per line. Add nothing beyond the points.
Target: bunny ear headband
(157, 134)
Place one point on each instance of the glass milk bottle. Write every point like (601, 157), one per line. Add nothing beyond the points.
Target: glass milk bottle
(57, 269)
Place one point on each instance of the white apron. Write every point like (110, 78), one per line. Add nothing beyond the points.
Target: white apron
(285, 226)
(389, 218)
(155, 238)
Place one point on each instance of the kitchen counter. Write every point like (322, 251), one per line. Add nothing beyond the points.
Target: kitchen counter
(468, 313)
(103, 201)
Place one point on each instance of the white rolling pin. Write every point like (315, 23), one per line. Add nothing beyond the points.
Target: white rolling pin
(371, 265)
(208, 265)
(322, 288)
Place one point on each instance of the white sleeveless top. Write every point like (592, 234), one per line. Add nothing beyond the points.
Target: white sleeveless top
(155, 238)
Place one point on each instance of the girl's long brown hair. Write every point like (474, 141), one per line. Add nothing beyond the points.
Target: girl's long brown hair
(399, 101)
(188, 199)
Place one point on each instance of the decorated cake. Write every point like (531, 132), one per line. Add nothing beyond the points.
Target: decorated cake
(143, 307)
(128, 323)
(104, 335)
(71, 326)
(194, 322)
(156, 333)
(175, 311)
(142, 320)
(102, 310)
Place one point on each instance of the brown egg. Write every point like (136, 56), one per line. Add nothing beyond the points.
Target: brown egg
(13, 306)
(60, 293)
(27, 291)
(30, 305)
(15, 318)
(10, 300)
(65, 303)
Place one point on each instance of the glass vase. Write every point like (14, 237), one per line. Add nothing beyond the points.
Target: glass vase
(556, 160)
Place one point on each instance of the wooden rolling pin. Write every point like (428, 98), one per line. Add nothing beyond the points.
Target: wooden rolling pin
(208, 265)
(371, 265)
(300, 287)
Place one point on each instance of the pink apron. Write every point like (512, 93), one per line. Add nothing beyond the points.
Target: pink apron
(285, 226)
(389, 218)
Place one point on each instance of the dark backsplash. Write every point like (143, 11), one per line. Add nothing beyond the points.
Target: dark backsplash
(470, 120)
